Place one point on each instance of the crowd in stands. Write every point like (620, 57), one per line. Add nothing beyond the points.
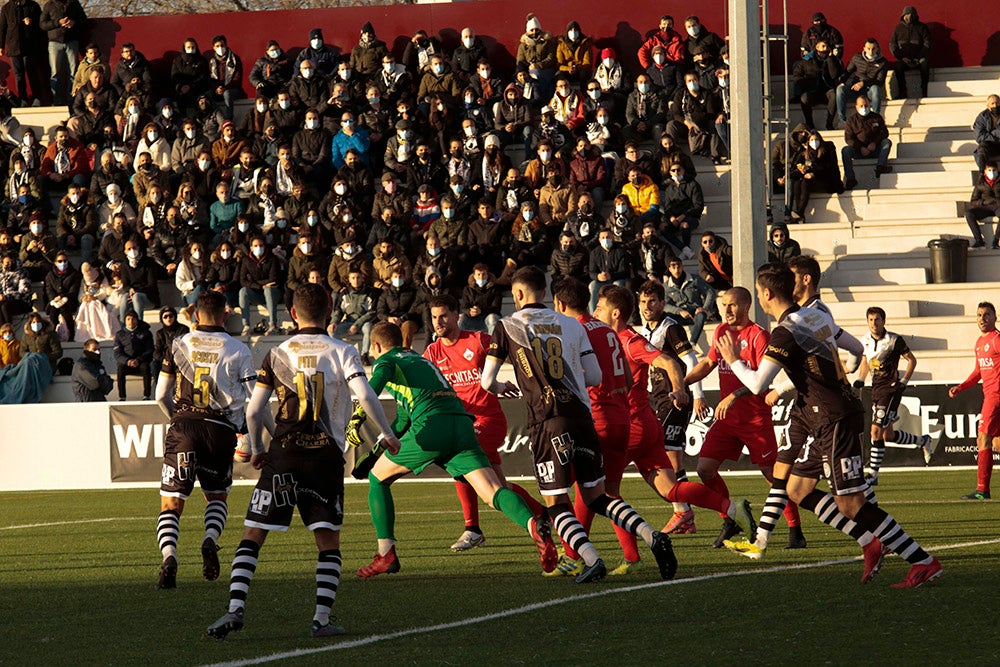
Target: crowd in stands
(385, 177)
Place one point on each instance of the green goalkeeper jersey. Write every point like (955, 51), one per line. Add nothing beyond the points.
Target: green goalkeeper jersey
(420, 390)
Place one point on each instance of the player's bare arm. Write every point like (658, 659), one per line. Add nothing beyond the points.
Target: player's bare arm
(675, 372)
(911, 365)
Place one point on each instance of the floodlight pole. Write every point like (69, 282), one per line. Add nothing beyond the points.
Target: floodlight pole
(748, 179)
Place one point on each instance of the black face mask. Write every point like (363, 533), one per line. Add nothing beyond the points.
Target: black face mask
(93, 356)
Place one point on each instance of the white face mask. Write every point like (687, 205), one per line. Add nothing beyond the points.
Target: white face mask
(225, 254)
(481, 282)
(659, 59)
(196, 255)
(345, 74)
(621, 208)
(864, 111)
(991, 175)
(112, 199)
(814, 144)
(608, 62)
(74, 198)
(693, 86)
(607, 243)
(316, 43)
(36, 229)
(190, 134)
(261, 107)
(340, 188)
(312, 221)
(204, 164)
(434, 252)
(723, 82)
(307, 73)
(221, 51)
(167, 112)
(643, 88)
(602, 120)
(228, 138)
(573, 35)
(274, 54)
(397, 282)
(448, 213)
(469, 131)
(243, 227)
(306, 248)
(544, 155)
(312, 124)
(36, 327)
(437, 69)
(258, 251)
(485, 73)
(468, 42)
(132, 254)
(694, 30)
(190, 50)
(387, 67)
(28, 140)
(152, 136)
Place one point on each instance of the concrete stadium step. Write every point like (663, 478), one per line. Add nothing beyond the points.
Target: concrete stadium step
(926, 332)
(894, 310)
(938, 149)
(919, 231)
(985, 72)
(927, 179)
(940, 299)
(938, 206)
(43, 120)
(978, 88)
(900, 268)
(950, 366)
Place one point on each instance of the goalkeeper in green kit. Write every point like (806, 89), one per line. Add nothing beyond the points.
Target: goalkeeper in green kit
(433, 428)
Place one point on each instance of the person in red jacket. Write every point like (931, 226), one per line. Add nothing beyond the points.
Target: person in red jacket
(64, 162)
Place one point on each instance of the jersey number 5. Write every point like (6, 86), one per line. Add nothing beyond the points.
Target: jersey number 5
(201, 392)
(552, 359)
(300, 387)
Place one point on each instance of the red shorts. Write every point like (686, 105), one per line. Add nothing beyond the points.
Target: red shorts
(989, 418)
(491, 433)
(725, 440)
(614, 449)
(645, 444)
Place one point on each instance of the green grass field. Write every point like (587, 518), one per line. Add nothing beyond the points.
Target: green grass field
(81, 589)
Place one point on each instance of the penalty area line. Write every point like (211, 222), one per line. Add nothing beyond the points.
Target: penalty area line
(535, 606)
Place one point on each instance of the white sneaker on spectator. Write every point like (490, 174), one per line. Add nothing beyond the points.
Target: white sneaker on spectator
(686, 253)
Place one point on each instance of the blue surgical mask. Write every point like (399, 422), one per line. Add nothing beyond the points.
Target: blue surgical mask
(434, 252)
(864, 111)
(312, 220)
(36, 327)
(528, 215)
(693, 86)
(448, 213)
(607, 243)
(481, 282)
(62, 265)
(281, 223)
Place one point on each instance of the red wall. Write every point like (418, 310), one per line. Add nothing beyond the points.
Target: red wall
(961, 37)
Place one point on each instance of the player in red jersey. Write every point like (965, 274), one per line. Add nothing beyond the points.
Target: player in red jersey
(988, 370)
(615, 306)
(460, 356)
(741, 418)
(609, 407)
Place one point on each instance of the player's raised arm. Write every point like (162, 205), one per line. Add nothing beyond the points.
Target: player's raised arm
(675, 371)
(369, 401)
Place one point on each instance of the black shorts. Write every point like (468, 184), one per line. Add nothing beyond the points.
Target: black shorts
(674, 423)
(793, 440)
(834, 453)
(313, 479)
(885, 404)
(565, 450)
(197, 447)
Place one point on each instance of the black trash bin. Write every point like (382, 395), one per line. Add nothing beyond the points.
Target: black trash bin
(949, 260)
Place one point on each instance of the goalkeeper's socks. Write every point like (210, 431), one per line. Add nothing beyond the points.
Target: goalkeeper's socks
(512, 506)
(382, 509)
(244, 566)
(385, 546)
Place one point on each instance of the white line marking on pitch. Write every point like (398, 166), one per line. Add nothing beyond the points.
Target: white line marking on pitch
(365, 641)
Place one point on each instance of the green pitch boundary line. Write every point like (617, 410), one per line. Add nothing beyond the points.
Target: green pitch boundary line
(374, 639)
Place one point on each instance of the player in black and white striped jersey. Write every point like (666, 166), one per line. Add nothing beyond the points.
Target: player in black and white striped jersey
(203, 388)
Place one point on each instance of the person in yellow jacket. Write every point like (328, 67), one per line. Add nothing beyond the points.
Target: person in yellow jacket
(643, 195)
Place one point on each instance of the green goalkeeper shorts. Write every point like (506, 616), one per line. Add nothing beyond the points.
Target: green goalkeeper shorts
(447, 440)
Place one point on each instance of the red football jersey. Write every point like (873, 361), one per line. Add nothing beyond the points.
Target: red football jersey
(640, 354)
(752, 341)
(462, 365)
(608, 400)
(987, 366)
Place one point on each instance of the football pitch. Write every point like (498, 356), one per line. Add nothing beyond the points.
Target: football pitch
(78, 568)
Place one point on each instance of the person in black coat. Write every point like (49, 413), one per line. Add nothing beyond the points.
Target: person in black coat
(165, 336)
(815, 81)
(259, 285)
(21, 40)
(138, 275)
(396, 303)
(814, 169)
(569, 260)
(910, 45)
(65, 22)
(134, 354)
(609, 264)
(62, 292)
(985, 203)
(189, 74)
(91, 383)
(223, 273)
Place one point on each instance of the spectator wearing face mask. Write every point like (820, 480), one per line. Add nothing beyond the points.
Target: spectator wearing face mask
(189, 74)
(95, 318)
(322, 56)
(170, 330)
(38, 248)
(348, 257)
(645, 111)
(683, 206)
(147, 177)
(488, 238)
(715, 261)
(311, 150)
(513, 117)
(536, 50)
(76, 226)
(419, 51)
(134, 354)
(438, 81)
(452, 228)
(588, 172)
(910, 45)
(225, 73)
(62, 291)
(689, 299)
(271, 71)
(482, 299)
(866, 136)
(350, 137)
(986, 127)
(585, 222)
(223, 275)
(395, 305)
(574, 54)
(156, 145)
(548, 162)
(663, 73)
(223, 212)
(139, 279)
(814, 169)
(64, 162)
(91, 383)
(651, 254)
(698, 37)
(985, 203)
(623, 223)
(189, 277)
(40, 337)
(10, 346)
(611, 76)
(821, 30)
(467, 54)
(609, 264)
(815, 80)
(669, 43)
(693, 120)
(569, 260)
(556, 200)
(669, 153)
(780, 245)
(604, 133)
(720, 106)
(259, 286)
(642, 194)
(865, 75)
(354, 311)
(529, 242)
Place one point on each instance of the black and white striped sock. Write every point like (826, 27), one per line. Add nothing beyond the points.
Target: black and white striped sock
(892, 535)
(572, 532)
(876, 454)
(904, 438)
(327, 580)
(216, 513)
(777, 498)
(870, 496)
(622, 515)
(244, 566)
(824, 506)
(167, 531)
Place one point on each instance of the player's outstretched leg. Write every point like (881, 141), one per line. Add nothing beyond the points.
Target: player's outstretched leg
(167, 531)
(736, 511)
(514, 508)
(383, 513)
(924, 567)
(216, 513)
(473, 536)
(682, 520)
(572, 533)
(244, 567)
(623, 515)
(327, 580)
(876, 454)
